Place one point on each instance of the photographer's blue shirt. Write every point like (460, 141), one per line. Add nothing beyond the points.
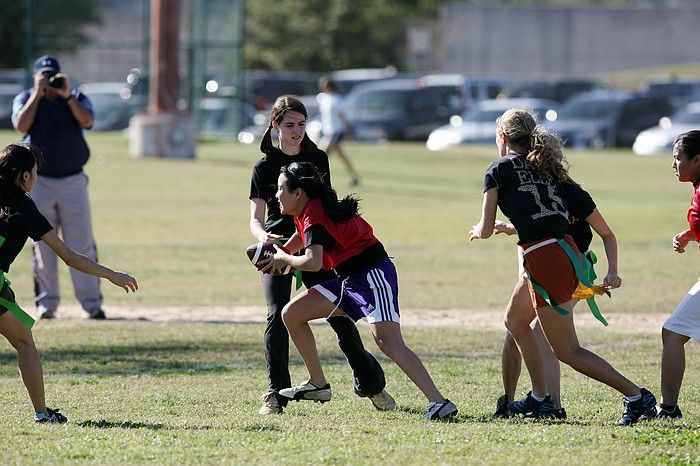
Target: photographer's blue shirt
(57, 133)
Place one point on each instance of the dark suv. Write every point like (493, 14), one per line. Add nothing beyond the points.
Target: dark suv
(607, 118)
(397, 109)
(558, 90)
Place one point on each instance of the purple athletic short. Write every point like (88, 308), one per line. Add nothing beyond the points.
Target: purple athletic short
(371, 294)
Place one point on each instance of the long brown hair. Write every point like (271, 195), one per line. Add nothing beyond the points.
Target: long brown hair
(544, 149)
(284, 104)
(15, 160)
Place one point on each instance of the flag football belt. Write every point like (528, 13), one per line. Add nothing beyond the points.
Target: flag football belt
(17, 311)
(584, 273)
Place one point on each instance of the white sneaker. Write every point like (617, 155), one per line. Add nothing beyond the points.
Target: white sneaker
(383, 401)
(308, 391)
(271, 404)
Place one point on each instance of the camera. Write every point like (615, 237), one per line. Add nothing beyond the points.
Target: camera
(57, 81)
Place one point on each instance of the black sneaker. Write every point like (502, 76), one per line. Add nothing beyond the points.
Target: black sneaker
(98, 315)
(662, 411)
(635, 409)
(308, 391)
(53, 417)
(502, 411)
(530, 407)
(559, 413)
(440, 411)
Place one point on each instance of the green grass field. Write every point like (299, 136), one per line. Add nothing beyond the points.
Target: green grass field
(186, 393)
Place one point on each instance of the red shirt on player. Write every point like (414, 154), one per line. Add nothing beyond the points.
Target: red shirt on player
(694, 213)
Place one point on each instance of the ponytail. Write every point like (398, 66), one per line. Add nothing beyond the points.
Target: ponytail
(303, 175)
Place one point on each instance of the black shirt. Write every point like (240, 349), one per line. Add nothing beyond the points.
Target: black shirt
(17, 223)
(532, 203)
(263, 185)
(580, 206)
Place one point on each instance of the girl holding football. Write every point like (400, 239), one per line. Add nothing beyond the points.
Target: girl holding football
(269, 225)
(524, 182)
(335, 236)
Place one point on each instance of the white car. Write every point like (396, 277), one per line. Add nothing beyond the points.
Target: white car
(659, 139)
(478, 124)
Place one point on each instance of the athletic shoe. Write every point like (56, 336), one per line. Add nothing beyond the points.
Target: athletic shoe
(559, 413)
(502, 408)
(44, 313)
(530, 407)
(635, 409)
(98, 315)
(271, 404)
(53, 416)
(440, 410)
(662, 411)
(383, 401)
(308, 391)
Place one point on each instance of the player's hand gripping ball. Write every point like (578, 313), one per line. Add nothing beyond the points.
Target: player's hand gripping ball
(260, 253)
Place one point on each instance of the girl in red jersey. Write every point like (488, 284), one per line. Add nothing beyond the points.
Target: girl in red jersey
(337, 237)
(684, 323)
(524, 182)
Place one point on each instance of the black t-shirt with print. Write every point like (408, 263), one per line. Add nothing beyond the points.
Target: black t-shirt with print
(263, 185)
(17, 223)
(532, 203)
(580, 205)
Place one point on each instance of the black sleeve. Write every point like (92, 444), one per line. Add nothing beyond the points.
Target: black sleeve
(317, 234)
(35, 223)
(323, 166)
(258, 184)
(577, 200)
(491, 177)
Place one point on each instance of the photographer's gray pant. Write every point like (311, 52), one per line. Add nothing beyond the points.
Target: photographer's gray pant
(64, 202)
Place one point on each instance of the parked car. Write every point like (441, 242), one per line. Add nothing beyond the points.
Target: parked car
(461, 92)
(678, 91)
(396, 109)
(113, 103)
(608, 118)
(659, 139)
(347, 79)
(478, 124)
(559, 90)
(263, 87)
(7, 96)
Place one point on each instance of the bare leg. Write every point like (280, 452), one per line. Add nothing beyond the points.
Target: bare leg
(20, 337)
(672, 366)
(511, 364)
(552, 371)
(389, 339)
(561, 335)
(519, 314)
(305, 307)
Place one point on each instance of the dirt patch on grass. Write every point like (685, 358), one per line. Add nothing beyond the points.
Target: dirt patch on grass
(475, 319)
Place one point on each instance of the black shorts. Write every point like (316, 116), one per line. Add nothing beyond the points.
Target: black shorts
(8, 294)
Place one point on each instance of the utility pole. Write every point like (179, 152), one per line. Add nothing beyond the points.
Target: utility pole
(165, 130)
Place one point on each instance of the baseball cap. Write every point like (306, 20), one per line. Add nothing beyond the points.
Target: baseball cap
(46, 63)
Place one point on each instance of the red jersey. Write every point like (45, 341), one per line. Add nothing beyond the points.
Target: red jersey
(694, 214)
(351, 237)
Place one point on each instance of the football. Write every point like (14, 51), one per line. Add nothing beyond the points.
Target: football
(258, 252)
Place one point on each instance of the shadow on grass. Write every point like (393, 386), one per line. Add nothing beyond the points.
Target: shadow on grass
(105, 424)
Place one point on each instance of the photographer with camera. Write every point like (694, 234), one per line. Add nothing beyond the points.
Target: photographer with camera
(52, 117)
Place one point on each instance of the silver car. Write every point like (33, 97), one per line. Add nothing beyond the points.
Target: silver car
(659, 139)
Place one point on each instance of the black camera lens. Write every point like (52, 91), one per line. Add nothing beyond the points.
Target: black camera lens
(56, 81)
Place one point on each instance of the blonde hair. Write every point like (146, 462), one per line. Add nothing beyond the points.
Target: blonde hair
(544, 149)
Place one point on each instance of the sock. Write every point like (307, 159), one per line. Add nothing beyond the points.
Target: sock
(634, 398)
(666, 407)
(538, 398)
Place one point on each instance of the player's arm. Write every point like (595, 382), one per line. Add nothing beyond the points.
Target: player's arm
(310, 261)
(504, 227)
(258, 208)
(87, 265)
(294, 243)
(485, 227)
(600, 226)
